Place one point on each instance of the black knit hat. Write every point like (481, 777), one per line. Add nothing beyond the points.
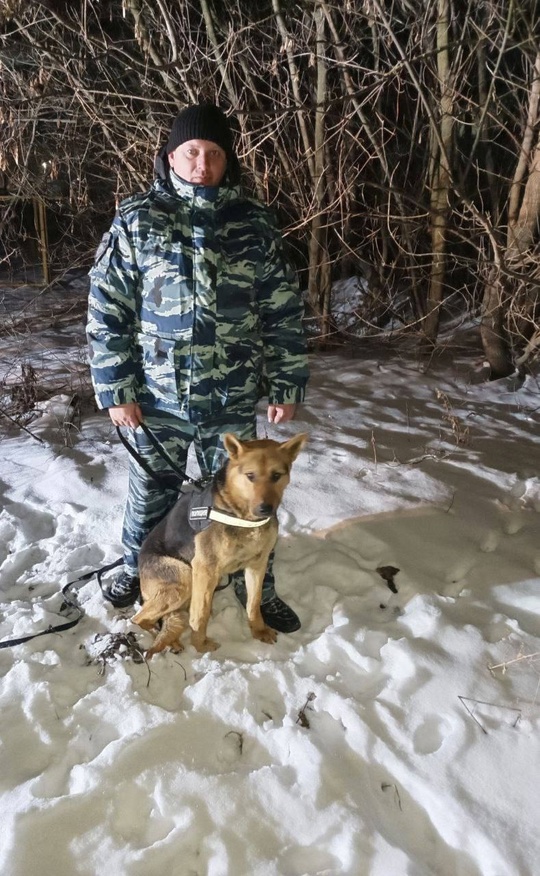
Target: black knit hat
(201, 122)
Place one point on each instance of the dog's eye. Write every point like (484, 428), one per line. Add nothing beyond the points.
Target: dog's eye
(275, 476)
(250, 476)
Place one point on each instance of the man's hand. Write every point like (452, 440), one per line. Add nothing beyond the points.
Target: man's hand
(126, 415)
(281, 413)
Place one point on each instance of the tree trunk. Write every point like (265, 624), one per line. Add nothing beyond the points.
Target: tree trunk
(522, 234)
(492, 329)
(523, 214)
(442, 182)
(318, 273)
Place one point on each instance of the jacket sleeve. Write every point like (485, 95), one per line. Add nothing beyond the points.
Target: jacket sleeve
(112, 318)
(281, 312)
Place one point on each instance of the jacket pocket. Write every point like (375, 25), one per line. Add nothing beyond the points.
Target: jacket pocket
(240, 371)
(166, 287)
(166, 365)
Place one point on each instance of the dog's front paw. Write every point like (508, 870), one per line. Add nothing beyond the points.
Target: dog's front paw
(265, 634)
(202, 645)
(176, 648)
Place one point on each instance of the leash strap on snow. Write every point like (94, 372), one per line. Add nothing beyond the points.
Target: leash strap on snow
(69, 600)
(169, 481)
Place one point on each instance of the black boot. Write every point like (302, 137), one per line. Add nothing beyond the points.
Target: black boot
(275, 613)
(122, 590)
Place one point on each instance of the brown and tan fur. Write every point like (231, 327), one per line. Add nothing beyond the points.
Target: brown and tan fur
(250, 486)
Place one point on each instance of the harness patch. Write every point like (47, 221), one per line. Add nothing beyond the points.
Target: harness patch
(199, 513)
(199, 506)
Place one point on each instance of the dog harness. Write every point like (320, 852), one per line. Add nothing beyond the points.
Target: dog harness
(200, 512)
(192, 514)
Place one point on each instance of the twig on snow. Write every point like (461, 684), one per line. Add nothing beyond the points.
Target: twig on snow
(302, 717)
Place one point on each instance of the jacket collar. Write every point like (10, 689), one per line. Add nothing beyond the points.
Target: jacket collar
(167, 182)
(195, 193)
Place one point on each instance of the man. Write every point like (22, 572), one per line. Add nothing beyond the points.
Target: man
(192, 308)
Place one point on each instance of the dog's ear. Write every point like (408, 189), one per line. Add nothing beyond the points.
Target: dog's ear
(232, 445)
(293, 446)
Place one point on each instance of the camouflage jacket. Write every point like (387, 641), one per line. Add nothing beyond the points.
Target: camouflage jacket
(192, 304)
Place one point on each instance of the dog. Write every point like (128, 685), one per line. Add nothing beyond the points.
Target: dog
(237, 529)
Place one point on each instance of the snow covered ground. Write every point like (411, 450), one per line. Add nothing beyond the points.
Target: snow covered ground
(396, 734)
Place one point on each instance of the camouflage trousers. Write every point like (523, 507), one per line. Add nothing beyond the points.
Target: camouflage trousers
(148, 502)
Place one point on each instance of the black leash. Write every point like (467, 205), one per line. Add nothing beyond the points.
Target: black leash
(70, 602)
(169, 481)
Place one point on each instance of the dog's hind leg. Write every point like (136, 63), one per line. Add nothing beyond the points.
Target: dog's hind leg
(165, 587)
(172, 628)
(163, 600)
(148, 616)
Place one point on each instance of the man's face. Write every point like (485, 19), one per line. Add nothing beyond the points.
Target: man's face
(200, 162)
